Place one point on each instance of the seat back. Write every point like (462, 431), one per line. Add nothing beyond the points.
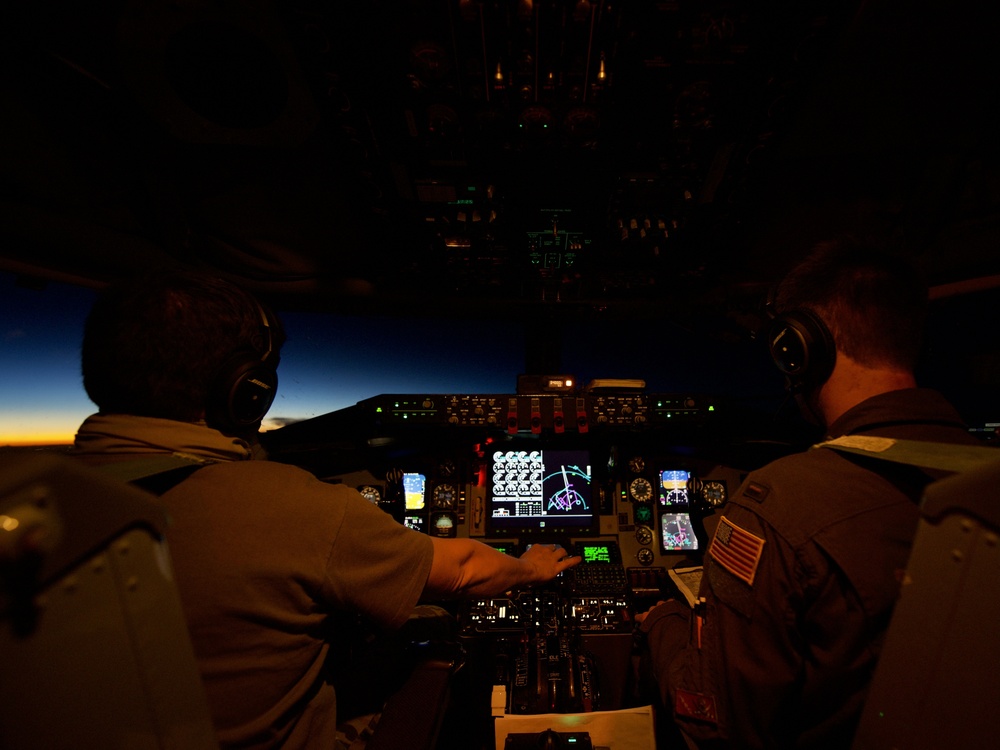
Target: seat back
(94, 647)
(413, 715)
(403, 678)
(937, 683)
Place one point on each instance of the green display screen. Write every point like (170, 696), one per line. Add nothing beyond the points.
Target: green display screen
(596, 553)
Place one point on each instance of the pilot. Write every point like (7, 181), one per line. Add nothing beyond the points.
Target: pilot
(805, 565)
(182, 369)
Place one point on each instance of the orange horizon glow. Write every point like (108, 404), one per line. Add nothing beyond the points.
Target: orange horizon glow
(36, 441)
(55, 438)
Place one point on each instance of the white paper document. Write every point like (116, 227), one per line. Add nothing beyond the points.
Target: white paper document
(626, 729)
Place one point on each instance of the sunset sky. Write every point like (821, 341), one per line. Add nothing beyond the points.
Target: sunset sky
(330, 362)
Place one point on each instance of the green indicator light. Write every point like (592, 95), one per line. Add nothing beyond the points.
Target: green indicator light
(711, 408)
(378, 410)
(471, 188)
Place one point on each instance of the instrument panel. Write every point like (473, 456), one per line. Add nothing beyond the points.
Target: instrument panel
(642, 471)
(631, 482)
(656, 518)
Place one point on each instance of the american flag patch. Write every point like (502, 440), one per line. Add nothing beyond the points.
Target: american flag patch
(736, 550)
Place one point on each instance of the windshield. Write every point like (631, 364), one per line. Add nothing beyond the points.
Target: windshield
(327, 363)
(332, 361)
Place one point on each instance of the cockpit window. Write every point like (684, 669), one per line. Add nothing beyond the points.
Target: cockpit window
(328, 362)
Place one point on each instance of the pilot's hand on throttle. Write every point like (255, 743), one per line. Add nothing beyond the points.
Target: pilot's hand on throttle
(546, 561)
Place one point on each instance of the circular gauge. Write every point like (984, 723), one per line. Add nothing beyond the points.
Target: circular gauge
(643, 514)
(714, 493)
(447, 468)
(674, 497)
(444, 496)
(645, 556)
(637, 464)
(694, 485)
(370, 493)
(640, 489)
(644, 535)
(443, 524)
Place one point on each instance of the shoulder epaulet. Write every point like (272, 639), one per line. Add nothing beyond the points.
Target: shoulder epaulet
(953, 457)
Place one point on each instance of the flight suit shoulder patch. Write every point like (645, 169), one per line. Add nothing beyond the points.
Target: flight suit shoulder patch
(737, 550)
(756, 491)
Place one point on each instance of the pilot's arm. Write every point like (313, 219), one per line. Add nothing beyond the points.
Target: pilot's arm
(465, 568)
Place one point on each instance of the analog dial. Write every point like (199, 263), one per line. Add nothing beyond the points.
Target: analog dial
(715, 493)
(644, 535)
(645, 556)
(444, 496)
(640, 489)
(370, 493)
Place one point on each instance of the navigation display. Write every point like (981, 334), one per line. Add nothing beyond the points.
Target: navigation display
(540, 491)
(676, 532)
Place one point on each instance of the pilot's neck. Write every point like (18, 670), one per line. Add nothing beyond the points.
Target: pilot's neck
(852, 382)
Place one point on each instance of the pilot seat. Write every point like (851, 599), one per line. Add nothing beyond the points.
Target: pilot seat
(937, 683)
(94, 649)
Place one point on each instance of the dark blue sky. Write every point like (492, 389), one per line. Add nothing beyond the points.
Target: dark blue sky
(330, 362)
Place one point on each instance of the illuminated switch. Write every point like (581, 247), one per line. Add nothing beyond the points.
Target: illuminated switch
(536, 416)
(582, 424)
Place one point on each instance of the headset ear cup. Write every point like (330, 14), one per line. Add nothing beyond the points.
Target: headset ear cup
(802, 347)
(246, 384)
(243, 392)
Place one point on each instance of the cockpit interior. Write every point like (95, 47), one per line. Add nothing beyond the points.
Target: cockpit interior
(617, 183)
(627, 479)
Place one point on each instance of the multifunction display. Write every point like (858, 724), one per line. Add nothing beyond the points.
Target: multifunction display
(541, 491)
(676, 531)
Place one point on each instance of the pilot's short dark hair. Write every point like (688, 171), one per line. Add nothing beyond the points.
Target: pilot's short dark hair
(873, 299)
(153, 345)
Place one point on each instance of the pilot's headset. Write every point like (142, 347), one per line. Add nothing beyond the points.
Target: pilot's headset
(247, 382)
(800, 345)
